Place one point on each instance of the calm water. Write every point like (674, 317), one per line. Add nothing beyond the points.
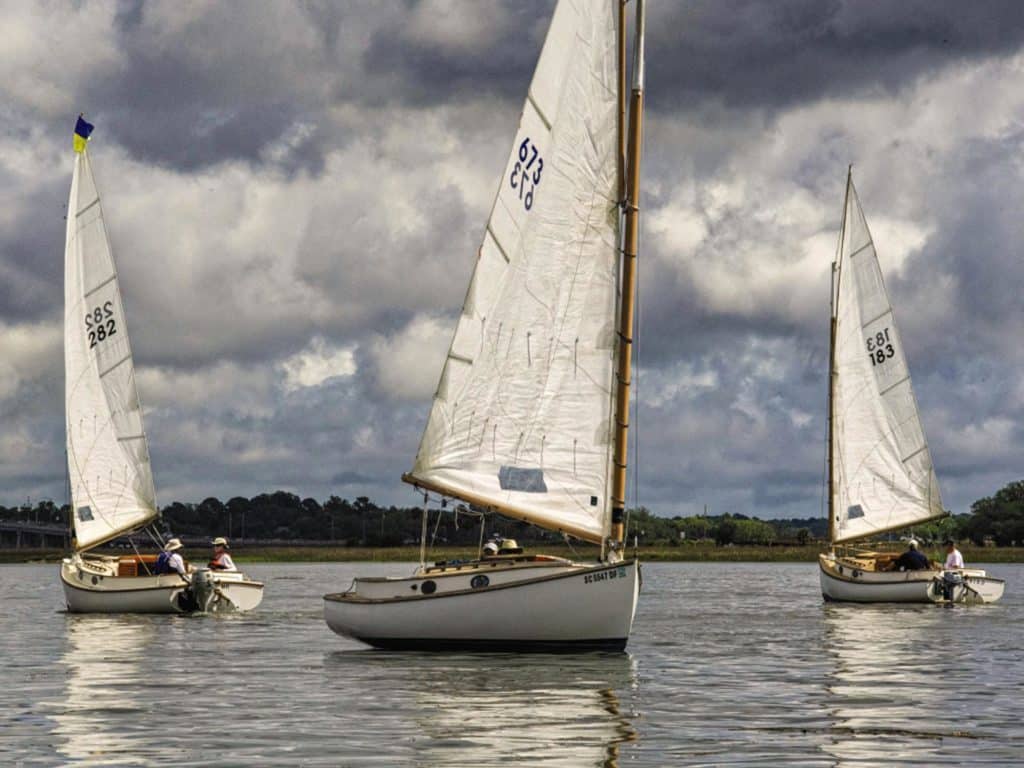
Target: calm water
(729, 664)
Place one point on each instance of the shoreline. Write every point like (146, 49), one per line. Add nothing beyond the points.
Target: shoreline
(687, 553)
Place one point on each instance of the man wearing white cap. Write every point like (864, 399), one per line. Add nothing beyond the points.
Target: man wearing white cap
(221, 560)
(912, 559)
(169, 561)
(490, 549)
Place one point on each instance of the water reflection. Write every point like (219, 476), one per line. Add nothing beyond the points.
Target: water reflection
(475, 710)
(885, 690)
(104, 657)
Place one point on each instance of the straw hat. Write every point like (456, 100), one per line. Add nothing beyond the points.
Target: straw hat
(172, 545)
(220, 541)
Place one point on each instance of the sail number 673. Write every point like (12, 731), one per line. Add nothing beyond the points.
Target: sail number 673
(525, 176)
(880, 347)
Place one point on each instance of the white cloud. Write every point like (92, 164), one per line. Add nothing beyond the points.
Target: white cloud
(408, 363)
(316, 364)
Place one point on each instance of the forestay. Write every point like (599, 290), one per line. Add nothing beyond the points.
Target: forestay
(522, 415)
(884, 477)
(108, 457)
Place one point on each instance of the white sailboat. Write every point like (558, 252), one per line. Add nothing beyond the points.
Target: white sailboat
(111, 481)
(881, 476)
(531, 412)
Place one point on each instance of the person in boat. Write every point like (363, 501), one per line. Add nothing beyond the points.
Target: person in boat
(954, 559)
(490, 550)
(911, 560)
(509, 547)
(221, 560)
(170, 561)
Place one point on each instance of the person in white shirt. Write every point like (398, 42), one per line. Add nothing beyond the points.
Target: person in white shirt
(954, 559)
(170, 561)
(221, 560)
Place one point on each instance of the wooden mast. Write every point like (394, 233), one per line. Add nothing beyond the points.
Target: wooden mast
(621, 167)
(631, 240)
(834, 306)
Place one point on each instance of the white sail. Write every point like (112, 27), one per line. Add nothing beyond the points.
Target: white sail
(108, 457)
(522, 417)
(883, 474)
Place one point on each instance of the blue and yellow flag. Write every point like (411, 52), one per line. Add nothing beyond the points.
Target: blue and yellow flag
(82, 132)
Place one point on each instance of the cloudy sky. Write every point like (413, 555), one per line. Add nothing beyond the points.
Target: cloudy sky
(295, 193)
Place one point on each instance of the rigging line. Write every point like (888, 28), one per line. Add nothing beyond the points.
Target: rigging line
(824, 471)
(635, 383)
(433, 536)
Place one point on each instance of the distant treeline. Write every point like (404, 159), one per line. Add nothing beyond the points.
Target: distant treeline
(997, 520)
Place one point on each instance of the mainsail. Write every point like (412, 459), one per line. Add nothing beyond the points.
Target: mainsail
(522, 416)
(883, 478)
(108, 457)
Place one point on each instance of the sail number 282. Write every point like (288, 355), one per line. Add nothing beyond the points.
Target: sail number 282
(525, 176)
(99, 323)
(880, 347)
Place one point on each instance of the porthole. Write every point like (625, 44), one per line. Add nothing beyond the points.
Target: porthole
(95, 580)
(479, 581)
(428, 587)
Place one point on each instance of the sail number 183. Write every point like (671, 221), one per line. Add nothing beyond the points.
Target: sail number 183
(880, 347)
(525, 176)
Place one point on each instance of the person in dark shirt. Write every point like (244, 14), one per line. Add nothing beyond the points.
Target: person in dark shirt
(911, 560)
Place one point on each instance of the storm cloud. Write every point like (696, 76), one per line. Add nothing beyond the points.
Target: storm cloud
(295, 194)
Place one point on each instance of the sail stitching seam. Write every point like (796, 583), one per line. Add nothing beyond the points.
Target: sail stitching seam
(101, 285)
(867, 245)
(501, 248)
(876, 319)
(90, 205)
(123, 360)
(540, 114)
(893, 386)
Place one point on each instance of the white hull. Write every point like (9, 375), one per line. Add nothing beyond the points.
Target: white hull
(92, 586)
(558, 606)
(842, 583)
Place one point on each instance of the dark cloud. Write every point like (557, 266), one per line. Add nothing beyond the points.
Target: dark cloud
(773, 55)
(295, 194)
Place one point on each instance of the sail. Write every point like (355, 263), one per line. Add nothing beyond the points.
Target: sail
(522, 417)
(883, 475)
(108, 457)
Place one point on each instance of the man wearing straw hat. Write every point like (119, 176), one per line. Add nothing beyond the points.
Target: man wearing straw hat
(169, 561)
(221, 560)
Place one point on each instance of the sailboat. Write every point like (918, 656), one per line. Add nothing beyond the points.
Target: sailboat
(881, 476)
(531, 413)
(109, 472)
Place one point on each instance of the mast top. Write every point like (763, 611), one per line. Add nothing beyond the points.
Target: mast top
(638, 50)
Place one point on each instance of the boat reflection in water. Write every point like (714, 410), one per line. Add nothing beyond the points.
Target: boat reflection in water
(885, 691)
(495, 709)
(104, 659)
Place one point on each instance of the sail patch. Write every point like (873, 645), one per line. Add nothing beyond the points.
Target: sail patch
(522, 479)
(852, 513)
(84, 514)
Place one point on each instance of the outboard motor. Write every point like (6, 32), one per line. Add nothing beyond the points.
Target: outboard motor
(202, 595)
(950, 581)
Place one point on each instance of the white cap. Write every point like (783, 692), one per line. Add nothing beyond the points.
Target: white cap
(912, 543)
(491, 547)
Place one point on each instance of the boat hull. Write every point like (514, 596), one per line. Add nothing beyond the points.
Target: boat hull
(568, 609)
(91, 588)
(842, 583)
